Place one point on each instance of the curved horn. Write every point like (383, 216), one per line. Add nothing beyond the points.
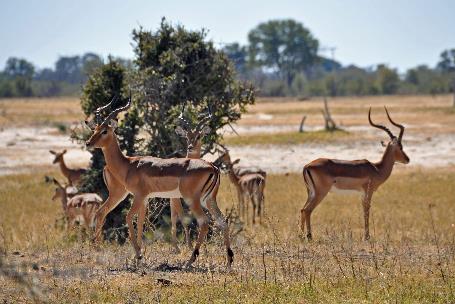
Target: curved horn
(114, 113)
(114, 99)
(400, 136)
(380, 126)
(98, 110)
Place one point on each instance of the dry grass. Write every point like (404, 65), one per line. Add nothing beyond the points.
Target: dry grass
(288, 138)
(409, 259)
(39, 111)
(352, 111)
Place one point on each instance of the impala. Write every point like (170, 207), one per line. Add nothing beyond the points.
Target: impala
(330, 175)
(251, 185)
(77, 207)
(194, 180)
(193, 139)
(73, 175)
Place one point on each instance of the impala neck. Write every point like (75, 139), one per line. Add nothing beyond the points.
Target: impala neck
(65, 170)
(385, 165)
(64, 199)
(116, 161)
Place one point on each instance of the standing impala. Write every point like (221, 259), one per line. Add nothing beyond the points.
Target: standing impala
(251, 185)
(324, 175)
(194, 180)
(194, 142)
(73, 175)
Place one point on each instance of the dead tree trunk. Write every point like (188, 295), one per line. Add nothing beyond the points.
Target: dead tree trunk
(330, 124)
(302, 123)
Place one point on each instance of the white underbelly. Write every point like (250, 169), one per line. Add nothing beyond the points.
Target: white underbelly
(167, 194)
(346, 191)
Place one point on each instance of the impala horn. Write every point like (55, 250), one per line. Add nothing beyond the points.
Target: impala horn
(380, 126)
(400, 136)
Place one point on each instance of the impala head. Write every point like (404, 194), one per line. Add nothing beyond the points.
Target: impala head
(225, 159)
(58, 156)
(193, 136)
(395, 142)
(103, 133)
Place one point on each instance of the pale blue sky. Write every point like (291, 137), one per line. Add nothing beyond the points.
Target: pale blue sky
(401, 33)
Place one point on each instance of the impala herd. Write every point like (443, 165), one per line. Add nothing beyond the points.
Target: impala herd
(196, 182)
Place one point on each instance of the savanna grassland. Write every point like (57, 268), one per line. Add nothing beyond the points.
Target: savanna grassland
(409, 259)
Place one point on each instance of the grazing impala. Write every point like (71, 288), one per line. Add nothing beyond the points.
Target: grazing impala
(324, 175)
(194, 180)
(194, 141)
(79, 207)
(250, 184)
(73, 175)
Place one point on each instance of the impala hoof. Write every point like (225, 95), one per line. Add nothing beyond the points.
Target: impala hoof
(309, 237)
(230, 257)
(193, 258)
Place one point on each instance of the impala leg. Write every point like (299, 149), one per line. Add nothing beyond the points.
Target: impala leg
(247, 207)
(240, 200)
(221, 223)
(142, 211)
(310, 205)
(252, 198)
(366, 203)
(138, 203)
(202, 221)
(174, 217)
(112, 201)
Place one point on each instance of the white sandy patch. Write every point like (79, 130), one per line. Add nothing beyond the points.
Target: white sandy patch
(24, 147)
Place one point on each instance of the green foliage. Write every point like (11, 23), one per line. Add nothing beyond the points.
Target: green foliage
(387, 80)
(283, 45)
(447, 61)
(177, 68)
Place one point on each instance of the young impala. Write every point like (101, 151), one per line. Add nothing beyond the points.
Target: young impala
(250, 184)
(73, 175)
(194, 180)
(324, 175)
(194, 142)
(78, 207)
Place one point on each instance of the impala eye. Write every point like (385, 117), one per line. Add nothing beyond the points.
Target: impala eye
(104, 132)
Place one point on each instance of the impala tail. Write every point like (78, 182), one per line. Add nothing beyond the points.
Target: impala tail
(309, 182)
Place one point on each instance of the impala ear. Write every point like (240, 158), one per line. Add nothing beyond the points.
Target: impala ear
(236, 161)
(64, 151)
(180, 132)
(206, 130)
(52, 152)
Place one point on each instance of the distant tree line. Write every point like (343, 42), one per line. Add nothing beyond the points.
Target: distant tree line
(20, 78)
(282, 59)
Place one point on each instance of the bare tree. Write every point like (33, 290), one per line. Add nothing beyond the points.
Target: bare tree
(302, 123)
(329, 123)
